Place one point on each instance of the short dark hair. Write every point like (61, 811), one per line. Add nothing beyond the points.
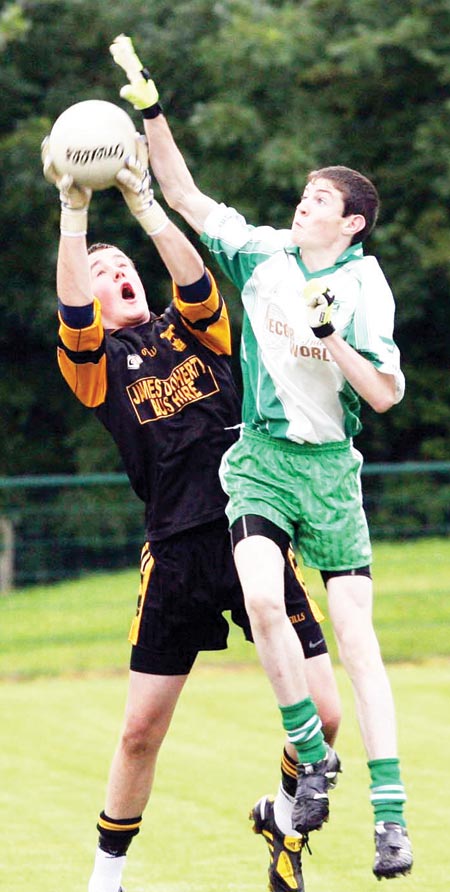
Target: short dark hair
(359, 194)
(100, 246)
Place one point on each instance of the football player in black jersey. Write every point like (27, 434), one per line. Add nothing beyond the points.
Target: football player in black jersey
(162, 386)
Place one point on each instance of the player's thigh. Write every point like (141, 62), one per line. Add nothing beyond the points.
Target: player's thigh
(260, 567)
(152, 699)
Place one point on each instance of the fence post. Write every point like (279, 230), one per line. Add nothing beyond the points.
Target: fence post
(6, 555)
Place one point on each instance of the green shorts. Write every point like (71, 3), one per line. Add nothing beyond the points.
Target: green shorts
(313, 493)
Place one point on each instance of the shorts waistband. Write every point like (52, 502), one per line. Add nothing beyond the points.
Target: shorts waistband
(289, 446)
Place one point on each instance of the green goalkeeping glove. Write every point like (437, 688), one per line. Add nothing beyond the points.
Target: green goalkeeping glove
(74, 198)
(319, 305)
(134, 182)
(141, 90)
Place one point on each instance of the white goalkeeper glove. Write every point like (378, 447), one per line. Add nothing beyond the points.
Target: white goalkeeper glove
(319, 305)
(141, 90)
(74, 198)
(134, 182)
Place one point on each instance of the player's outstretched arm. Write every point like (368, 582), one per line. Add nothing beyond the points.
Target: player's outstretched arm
(72, 276)
(174, 178)
(167, 162)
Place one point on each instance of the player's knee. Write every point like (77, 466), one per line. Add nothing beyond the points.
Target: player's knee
(141, 738)
(263, 607)
(359, 651)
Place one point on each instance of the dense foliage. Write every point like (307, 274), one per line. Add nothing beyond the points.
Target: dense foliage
(257, 93)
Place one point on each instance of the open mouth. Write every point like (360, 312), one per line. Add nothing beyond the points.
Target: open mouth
(127, 292)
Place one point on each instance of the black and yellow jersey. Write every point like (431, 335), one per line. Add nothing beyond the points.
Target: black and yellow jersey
(165, 392)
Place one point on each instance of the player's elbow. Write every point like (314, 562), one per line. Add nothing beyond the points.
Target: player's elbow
(384, 394)
(179, 199)
(383, 399)
(187, 200)
(382, 404)
(175, 199)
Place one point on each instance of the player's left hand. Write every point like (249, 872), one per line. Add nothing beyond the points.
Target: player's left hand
(135, 184)
(74, 198)
(319, 305)
(141, 91)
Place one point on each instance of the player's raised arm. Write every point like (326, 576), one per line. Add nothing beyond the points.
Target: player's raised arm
(167, 162)
(73, 276)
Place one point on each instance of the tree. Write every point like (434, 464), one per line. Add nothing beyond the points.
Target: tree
(258, 93)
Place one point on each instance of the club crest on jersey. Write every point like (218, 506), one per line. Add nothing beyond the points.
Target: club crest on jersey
(174, 340)
(134, 361)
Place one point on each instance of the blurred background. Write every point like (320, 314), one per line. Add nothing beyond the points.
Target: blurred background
(257, 94)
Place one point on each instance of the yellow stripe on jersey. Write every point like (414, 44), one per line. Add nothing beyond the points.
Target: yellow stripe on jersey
(88, 380)
(217, 336)
(315, 609)
(147, 564)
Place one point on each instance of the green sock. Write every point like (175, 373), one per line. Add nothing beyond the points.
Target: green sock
(387, 793)
(304, 729)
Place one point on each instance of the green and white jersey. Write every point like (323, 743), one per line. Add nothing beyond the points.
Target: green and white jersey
(292, 388)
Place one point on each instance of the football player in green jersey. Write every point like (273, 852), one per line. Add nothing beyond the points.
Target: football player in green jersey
(317, 336)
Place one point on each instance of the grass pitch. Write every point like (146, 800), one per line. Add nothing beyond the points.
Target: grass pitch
(221, 754)
(63, 658)
(82, 625)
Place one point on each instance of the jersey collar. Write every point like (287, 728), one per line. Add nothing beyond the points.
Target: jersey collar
(353, 252)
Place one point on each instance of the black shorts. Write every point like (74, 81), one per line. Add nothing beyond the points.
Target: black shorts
(187, 582)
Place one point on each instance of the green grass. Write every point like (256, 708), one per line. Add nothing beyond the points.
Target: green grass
(63, 679)
(221, 754)
(83, 625)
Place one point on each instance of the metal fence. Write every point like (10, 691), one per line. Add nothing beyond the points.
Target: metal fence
(59, 526)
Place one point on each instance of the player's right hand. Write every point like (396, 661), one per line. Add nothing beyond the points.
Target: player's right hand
(135, 184)
(74, 198)
(141, 90)
(319, 306)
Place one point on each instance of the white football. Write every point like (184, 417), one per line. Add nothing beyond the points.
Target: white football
(91, 141)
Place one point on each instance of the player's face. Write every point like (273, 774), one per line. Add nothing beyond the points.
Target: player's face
(318, 220)
(116, 284)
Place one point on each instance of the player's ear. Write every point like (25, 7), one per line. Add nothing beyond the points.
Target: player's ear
(353, 223)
